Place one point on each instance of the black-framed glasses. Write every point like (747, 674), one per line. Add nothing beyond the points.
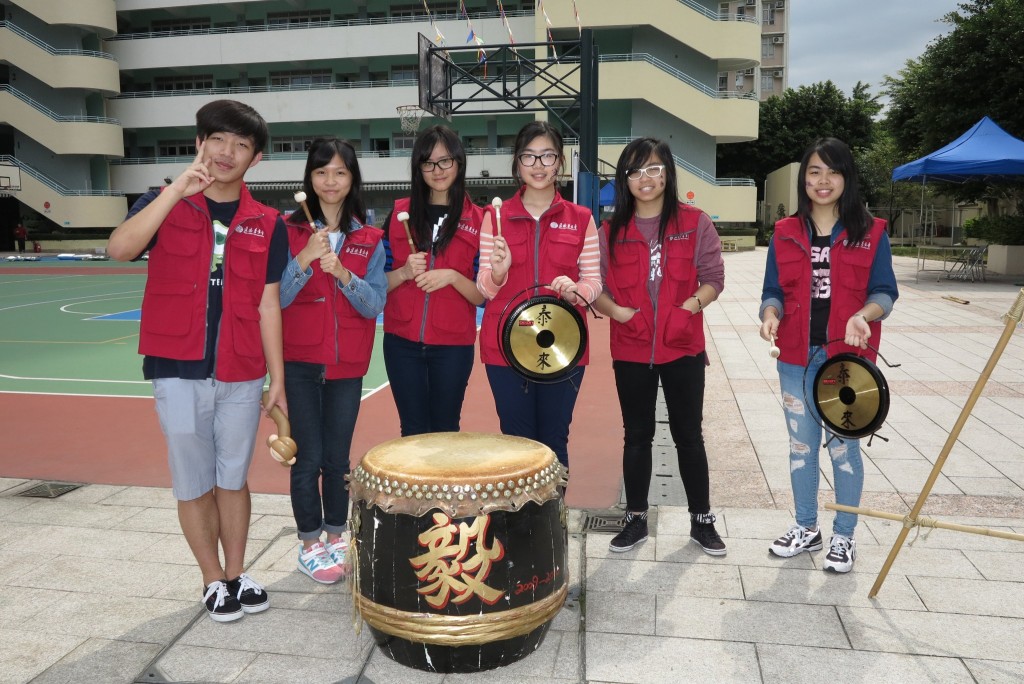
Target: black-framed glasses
(443, 164)
(546, 159)
(652, 171)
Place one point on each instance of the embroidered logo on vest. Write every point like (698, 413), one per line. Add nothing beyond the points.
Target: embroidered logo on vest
(555, 225)
(250, 230)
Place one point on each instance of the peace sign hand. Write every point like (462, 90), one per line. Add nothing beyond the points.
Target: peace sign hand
(196, 177)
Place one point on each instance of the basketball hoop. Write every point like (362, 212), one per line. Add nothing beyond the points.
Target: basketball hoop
(409, 116)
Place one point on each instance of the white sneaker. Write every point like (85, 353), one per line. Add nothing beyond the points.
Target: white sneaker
(317, 563)
(797, 540)
(841, 554)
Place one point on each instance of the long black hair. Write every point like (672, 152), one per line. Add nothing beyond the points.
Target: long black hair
(321, 152)
(634, 156)
(420, 196)
(853, 215)
(527, 134)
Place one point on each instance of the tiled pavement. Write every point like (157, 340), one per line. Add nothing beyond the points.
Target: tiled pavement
(99, 586)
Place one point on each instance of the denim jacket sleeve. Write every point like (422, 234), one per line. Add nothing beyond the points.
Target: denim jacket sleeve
(882, 288)
(367, 295)
(293, 280)
(771, 291)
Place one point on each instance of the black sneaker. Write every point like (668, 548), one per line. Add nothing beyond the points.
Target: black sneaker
(220, 604)
(633, 532)
(252, 597)
(703, 533)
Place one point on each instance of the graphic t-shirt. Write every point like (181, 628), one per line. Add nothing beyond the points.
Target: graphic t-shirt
(821, 288)
(648, 228)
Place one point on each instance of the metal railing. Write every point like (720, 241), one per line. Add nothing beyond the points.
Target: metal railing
(680, 75)
(14, 28)
(46, 111)
(301, 156)
(718, 16)
(54, 185)
(331, 23)
(235, 90)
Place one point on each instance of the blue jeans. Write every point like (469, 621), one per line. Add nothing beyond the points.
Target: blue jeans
(537, 411)
(428, 382)
(323, 417)
(805, 436)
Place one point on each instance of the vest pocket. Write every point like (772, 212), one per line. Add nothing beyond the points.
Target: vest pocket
(679, 327)
(303, 324)
(245, 327)
(174, 302)
(450, 312)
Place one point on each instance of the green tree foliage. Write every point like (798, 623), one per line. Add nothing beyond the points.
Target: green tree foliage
(975, 70)
(788, 124)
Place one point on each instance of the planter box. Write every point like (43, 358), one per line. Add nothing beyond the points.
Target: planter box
(1006, 259)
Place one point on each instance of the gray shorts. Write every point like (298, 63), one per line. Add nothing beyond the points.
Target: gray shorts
(210, 428)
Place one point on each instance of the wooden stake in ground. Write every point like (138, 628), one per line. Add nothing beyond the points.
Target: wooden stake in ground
(1011, 319)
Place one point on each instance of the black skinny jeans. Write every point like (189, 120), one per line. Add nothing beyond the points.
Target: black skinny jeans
(682, 381)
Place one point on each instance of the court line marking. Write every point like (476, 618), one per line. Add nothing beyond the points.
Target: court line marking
(65, 309)
(68, 394)
(114, 382)
(55, 301)
(113, 341)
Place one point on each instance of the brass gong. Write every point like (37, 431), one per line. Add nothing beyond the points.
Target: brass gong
(543, 338)
(851, 396)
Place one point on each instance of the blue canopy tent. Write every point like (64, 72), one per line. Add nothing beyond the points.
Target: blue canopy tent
(984, 150)
(607, 197)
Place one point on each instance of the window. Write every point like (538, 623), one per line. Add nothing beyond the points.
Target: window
(292, 143)
(176, 148)
(740, 78)
(307, 17)
(768, 15)
(409, 11)
(723, 11)
(402, 141)
(767, 82)
(405, 72)
(181, 25)
(723, 83)
(767, 47)
(300, 78)
(194, 82)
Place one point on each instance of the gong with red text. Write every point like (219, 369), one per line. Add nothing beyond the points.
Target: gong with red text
(851, 396)
(543, 338)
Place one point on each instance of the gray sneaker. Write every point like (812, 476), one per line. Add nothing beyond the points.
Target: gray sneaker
(796, 541)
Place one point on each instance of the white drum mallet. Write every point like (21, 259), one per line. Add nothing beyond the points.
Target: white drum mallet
(774, 351)
(496, 203)
(300, 197)
(403, 216)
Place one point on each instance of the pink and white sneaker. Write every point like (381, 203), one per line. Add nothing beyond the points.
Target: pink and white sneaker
(317, 563)
(338, 551)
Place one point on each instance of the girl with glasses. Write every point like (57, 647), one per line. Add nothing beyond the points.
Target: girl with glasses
(546, 244)
(331, 294)
(828, 283)
(662, 266)
(430, 315)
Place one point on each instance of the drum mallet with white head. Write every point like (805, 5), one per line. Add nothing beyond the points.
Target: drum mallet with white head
(496, 203)
(300, 197)
(404, 218)
(774, 351)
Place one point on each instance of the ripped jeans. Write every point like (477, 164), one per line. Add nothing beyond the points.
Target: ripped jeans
(805, 440)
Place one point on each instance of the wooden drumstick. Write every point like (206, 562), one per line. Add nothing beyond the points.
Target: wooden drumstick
(282, 446)
(300, 197)
(496, 203)
(403, 216)
(774, 351)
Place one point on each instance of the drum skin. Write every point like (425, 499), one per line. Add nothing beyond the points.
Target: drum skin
(459, 586)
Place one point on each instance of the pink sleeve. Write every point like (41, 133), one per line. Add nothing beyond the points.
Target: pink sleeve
(710, 265)
(589, 285)
(484, 283)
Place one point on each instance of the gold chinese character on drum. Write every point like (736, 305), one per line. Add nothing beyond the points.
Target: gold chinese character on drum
(459, 548)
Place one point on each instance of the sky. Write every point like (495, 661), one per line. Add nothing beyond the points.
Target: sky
(846, 41)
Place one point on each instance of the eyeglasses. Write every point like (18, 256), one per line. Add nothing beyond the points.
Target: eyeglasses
(443, 164)
(653, 171)
(546, 159)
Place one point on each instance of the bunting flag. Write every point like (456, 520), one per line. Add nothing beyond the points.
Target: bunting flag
(481, 55)
(438, 36)
(508, 26)
(547, 20)
(579, 26)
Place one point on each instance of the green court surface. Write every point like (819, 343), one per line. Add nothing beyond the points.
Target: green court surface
(73, 329)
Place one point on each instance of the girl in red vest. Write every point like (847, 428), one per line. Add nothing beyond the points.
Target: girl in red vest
(548, 241)
(827, 284)
(430, 315)
(331, 294)
(662, 266)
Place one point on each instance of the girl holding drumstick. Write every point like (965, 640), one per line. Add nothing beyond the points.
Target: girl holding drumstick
(331, 293)
(662, 266)
(828, 278)
(430, 315)
(543, 240)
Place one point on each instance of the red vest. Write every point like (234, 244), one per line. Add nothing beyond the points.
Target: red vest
(850, 270)
(662, 333)
(444, 316)
(174, 304)
(320, 325)
(541, 250)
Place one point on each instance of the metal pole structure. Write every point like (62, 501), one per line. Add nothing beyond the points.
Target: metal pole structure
(588, 181)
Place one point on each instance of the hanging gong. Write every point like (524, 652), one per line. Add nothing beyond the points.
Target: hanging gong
(543, 338)
(851, 396)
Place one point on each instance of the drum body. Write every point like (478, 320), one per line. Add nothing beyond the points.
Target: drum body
(460, 548)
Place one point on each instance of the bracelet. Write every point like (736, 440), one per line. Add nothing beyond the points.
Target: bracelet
(700, 304)
(862, 316)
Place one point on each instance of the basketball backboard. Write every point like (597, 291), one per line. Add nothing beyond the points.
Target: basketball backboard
(435, 80)
(10, 177)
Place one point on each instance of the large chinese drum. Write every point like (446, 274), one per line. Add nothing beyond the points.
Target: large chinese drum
(460, 545)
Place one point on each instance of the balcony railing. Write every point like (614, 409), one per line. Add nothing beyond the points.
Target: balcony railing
(718, 16)
(332, 23)
(43, 109)
(680, 162)
(54, 185)
(301, 156)
(680, 75)
(235, 90)
(14, 28)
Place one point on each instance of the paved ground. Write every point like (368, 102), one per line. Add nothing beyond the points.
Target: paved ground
(99, 586)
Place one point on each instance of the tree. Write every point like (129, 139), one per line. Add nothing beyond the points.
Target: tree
(788, 124)
(977, 69)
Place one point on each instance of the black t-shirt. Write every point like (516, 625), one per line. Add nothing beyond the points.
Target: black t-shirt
(821, 288)
(221, 214)
(436, 214)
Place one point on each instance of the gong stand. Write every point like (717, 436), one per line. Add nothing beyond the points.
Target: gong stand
(913, 519)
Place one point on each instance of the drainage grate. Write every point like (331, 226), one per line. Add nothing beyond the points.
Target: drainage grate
(50, 490)
(604, 523)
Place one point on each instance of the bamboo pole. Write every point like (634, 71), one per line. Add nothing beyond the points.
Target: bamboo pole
(925, 521)
(1011, 319)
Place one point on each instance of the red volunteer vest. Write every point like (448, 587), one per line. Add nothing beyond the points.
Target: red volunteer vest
(444, 316)
(541, 250)
(320, 325)
(850, 269)
(666, 332)
(174, 303)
